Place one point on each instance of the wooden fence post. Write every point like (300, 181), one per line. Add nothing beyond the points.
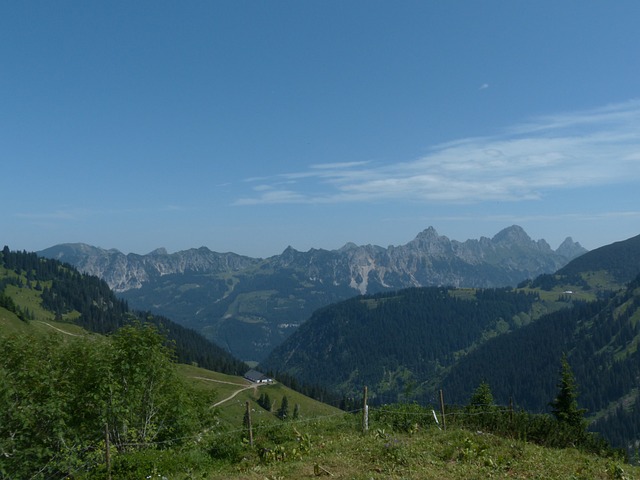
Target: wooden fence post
(107, 454)
(249, 426)
(510, 409)
(444, 422)
(365, 412)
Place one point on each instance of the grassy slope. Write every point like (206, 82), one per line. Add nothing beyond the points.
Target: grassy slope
(334, 448)
(231, 410)
(327, 443)
(9, 324)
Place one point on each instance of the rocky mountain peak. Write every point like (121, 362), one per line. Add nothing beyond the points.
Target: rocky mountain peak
(513, 234)
(570, 249)
(428, 234)
(287, 257)
(429, 239)
(348, 246)
(289, 252)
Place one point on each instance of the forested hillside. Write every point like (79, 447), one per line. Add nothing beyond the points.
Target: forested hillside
(61, 292)
(605, 269)
(600, 340)
(621, 260)
(397, 343)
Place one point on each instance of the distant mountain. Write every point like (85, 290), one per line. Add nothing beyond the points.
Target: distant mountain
(250, 305)
(125, 272)
(604, 269)
(621, 260)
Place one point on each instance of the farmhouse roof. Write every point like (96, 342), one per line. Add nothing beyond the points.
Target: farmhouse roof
(255, 376)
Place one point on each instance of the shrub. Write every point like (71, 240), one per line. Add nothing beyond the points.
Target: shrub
(403, 417)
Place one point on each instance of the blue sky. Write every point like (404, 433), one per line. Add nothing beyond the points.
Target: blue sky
(248, 126)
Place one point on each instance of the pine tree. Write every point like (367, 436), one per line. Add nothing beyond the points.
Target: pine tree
(482, 398)
(283, 411)
(565, 406)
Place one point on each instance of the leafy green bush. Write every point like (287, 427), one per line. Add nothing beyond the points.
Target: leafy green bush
(227, 447)
(59, 398)
(157, 464)
(403, 417)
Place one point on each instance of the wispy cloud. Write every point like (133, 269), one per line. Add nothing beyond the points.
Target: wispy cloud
(336, 166)
(570, 150)
(270, 195)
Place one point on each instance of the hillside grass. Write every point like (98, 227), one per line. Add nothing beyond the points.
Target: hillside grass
(219, 386)
(29, 298)
(594, 283)
(11, 324)
(333, 447)
(232, 393)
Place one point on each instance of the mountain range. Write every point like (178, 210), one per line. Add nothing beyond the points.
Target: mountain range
(250, 305)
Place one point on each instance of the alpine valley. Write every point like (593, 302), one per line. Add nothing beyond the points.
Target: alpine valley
(251, 305)
(407, 344)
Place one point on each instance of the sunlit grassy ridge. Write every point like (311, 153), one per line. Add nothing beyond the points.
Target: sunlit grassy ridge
(333, 447)
(232, 393)
(10, 323)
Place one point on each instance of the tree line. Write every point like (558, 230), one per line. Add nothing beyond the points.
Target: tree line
(598, 339)
(408, 335)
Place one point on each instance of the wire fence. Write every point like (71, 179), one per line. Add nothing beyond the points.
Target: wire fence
(220, 433)
(380, 417)
(395, 416)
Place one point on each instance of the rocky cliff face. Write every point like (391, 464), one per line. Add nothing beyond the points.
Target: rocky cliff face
(250, 305)
(431, 260)
(125, 272)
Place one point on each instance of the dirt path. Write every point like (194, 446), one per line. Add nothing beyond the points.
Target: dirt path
(243, 385)
(221, 381)
(59, 330)
(232, 395)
